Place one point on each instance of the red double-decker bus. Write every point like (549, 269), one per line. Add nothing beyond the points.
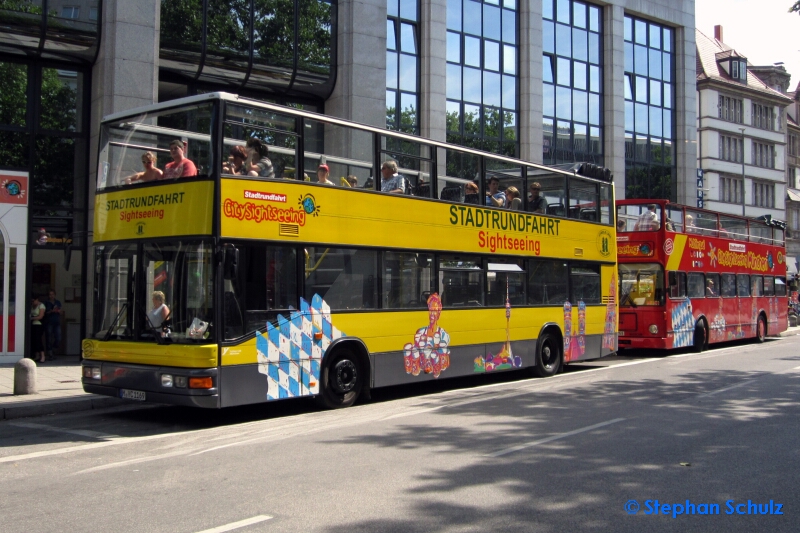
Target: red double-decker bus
(692, 277)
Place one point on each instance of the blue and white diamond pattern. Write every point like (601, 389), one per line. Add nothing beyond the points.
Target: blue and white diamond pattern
(682, 325)
(288, 353)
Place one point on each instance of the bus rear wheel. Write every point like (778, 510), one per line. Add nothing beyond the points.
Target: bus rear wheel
(761, 332)
(548, 356)
(341, 381)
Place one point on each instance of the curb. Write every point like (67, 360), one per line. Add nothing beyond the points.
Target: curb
(59, 406)
(791, 332)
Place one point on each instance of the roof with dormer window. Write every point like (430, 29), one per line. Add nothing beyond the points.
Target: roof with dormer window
(710, 52)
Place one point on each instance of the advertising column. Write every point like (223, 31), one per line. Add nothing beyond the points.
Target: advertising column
(13, 233)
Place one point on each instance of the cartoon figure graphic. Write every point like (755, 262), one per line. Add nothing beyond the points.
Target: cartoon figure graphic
(567, 329)
(574, 340)
(505, 359)
(611, 316)
(429, 353)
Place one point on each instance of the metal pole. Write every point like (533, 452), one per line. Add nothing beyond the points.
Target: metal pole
(743, 204)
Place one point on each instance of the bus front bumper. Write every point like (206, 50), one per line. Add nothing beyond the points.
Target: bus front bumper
(167, 385)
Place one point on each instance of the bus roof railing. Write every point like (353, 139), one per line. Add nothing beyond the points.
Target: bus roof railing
(236, 99)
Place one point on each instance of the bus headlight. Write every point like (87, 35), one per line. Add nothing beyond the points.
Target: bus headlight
(166, 380)
(91, 372)
(653, 329)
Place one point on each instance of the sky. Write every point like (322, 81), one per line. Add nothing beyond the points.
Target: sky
(761, 30)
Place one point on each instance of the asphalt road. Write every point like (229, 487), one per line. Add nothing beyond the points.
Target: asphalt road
(490, 453)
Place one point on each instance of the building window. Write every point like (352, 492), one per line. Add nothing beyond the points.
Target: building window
(649, 111)
(763, 117)
(573, 82)
(763, 155)
(70, 12)
(402, 66)
(763, 194)
(482, 65)
(792, 144)
(731, 149)
(92, 13)
(794, 219)
(731, 190)
(791, 178)
(730, 109)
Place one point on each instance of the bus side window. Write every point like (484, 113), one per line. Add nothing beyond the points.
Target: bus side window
(677, 284)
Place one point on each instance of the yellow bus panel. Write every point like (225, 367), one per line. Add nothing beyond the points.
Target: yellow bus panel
(170, 210)
(176, 355)
(301, 212)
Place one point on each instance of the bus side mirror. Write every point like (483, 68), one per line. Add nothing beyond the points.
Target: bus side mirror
(230, 266)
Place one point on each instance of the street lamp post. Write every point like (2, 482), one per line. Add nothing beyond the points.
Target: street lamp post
(743, 204)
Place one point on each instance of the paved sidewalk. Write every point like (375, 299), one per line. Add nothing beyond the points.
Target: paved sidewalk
(60, 391)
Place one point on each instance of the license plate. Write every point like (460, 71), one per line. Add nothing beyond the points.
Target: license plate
(132, 394)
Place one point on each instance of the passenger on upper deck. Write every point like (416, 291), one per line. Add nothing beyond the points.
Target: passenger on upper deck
(620, 224)
(236, 164)
(710, 288)
(258, 164)
(151, 173)
(471, 193)
(648, 221)
(690, 227)
(536, 203)
(180, 167)
(391, 181)
(322, 175)
(513, 201)
(494, 196)
(352, 181)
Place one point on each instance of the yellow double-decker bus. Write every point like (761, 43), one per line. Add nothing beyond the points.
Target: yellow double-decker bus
(248, 252)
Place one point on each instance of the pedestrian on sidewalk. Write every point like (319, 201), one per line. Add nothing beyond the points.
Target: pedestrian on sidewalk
(36, 316)
(52, 324)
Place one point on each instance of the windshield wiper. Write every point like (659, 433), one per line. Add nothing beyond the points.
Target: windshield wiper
(107, 336)
(627, 296)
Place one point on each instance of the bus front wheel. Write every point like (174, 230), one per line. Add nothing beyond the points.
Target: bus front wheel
(548, 356)
(700, 337)
(341, 381)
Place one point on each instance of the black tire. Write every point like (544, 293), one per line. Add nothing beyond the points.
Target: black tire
(761, 329)
(548, 356)
(700, 337)
(341, 380)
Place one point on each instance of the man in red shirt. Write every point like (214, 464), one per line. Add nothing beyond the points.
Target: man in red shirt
(181, 167)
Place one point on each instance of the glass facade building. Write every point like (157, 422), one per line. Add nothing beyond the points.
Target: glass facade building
(465, 71)
(482, 85)
(649, 110)
(402, 65)
(572, 74)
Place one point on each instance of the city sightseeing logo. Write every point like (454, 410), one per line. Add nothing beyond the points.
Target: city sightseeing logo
(308, 203)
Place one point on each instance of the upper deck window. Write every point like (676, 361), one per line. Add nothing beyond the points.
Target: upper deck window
(645, 217)
(161, 145)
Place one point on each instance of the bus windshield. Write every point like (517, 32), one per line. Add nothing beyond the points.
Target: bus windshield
(641, 284)
(155, 291)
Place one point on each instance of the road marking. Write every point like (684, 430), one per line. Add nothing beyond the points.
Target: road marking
(551, 439)
(91, 446)
(712, 393)
(82, 432)
(236, 525)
